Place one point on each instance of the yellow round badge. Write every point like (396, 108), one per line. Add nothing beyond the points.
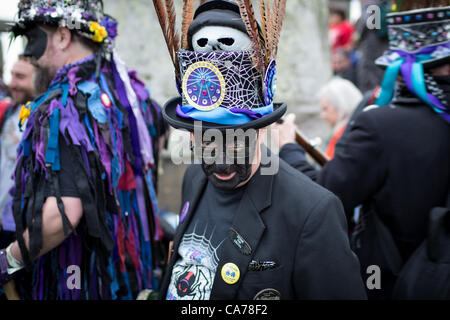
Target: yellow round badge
(230, 273)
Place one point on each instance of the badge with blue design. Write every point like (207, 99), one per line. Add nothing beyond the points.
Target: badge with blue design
(203, 86)
(230, 273)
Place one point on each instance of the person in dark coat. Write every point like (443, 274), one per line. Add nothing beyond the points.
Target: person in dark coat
(371, 42)
(255, 229)
(395, 159)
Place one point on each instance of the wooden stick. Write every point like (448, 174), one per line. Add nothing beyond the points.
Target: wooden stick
(316, 154)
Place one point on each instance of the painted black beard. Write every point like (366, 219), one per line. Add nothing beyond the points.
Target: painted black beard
(42, 79)
(243, 172)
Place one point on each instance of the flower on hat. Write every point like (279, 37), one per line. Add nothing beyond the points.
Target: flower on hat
(99, 31)
(24, 113)
(111, 26)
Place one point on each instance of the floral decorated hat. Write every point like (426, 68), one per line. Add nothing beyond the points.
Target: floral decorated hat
(86, 17)
(224, 64)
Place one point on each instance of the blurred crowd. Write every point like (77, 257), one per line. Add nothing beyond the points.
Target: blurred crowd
(355, 47)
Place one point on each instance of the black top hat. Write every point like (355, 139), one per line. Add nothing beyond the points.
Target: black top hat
(222, 89)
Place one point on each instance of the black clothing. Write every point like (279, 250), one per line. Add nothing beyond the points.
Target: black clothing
(395, 160)
(371, 46)
(217, 209)
(67, 185)
(292, 224)
(202, 241)
(6, 237)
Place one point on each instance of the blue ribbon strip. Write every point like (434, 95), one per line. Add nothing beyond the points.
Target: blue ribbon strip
(224, 116)
(410, 65)
(52, 153)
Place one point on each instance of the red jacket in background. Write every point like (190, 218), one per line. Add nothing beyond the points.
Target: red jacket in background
(341, 35)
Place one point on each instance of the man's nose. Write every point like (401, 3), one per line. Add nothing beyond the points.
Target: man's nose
(13, 84)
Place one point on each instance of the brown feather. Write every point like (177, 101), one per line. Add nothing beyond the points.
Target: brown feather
(167, 22)
(262, 11)
(275, 17)
(174, 38)
(161, 14)
(248, 16)
(188, 15)
(279, 14)
(269, 29)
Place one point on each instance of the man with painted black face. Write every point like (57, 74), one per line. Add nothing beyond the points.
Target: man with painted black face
(84, 205)
(250, 226)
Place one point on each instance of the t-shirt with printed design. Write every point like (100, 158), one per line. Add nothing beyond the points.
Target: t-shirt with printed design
(193, 274)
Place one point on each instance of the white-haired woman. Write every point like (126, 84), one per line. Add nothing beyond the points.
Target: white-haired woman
(338, 99)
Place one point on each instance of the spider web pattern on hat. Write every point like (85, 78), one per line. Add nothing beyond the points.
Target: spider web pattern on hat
(240, 77)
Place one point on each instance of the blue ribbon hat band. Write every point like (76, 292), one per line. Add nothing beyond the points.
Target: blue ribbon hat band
(224, 116)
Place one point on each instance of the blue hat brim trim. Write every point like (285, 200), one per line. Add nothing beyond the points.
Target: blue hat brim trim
(224, 116)
(170, 114)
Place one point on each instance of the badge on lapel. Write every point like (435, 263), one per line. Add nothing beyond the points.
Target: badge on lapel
(239, 242)
(184, 211)
(268, 294)
(261, 265)
(230, 273)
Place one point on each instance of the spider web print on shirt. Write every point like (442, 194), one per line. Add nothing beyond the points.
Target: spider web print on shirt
(193, 274)
(242, 80)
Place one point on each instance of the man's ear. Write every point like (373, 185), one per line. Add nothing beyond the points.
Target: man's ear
(262, 135)
(63, 38)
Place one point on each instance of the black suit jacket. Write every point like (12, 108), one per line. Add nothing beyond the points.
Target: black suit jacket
(394, 159)
(288, 219)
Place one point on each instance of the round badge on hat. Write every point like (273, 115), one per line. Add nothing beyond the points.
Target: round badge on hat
(203, 86)
(230, 273)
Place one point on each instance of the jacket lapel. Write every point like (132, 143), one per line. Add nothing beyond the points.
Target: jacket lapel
(244, 235)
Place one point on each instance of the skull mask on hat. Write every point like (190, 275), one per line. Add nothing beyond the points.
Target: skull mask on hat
(224, 64)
